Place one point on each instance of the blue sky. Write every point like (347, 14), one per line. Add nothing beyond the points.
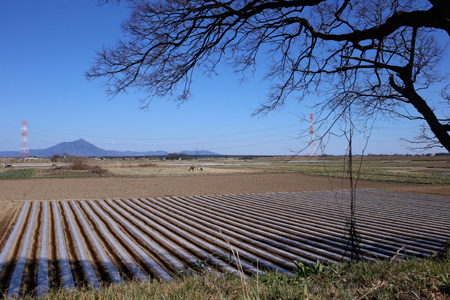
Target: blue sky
(46, 47)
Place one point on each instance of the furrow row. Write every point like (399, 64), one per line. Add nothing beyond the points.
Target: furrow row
(100, 242)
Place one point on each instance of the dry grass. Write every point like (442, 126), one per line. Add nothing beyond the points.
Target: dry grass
(148, 165)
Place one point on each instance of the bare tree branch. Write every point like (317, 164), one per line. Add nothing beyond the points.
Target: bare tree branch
(382, 54)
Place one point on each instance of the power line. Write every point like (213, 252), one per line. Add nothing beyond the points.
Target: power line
(172, 138)
(249, 145)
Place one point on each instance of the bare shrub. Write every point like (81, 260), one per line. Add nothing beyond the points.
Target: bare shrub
(98, 170)
(79, 165)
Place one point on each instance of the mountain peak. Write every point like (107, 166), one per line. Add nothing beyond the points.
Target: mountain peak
(79, 147)
(80, 141)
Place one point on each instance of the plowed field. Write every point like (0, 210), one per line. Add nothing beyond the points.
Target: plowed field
(55, 232)
(93, 242)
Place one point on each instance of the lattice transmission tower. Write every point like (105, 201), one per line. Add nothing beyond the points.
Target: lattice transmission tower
(24, 150)
(312, 140)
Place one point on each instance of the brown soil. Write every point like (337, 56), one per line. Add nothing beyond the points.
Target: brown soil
(15, 191)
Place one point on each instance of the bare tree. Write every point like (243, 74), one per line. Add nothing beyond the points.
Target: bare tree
(377, 56)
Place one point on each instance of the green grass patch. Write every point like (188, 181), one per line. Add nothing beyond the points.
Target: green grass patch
(17, 173)
(376, 174)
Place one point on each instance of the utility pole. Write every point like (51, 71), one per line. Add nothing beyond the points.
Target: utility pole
(312, 140)
(24, 150)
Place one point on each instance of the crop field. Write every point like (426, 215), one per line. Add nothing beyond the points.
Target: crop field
(16, 173)
(55, 244)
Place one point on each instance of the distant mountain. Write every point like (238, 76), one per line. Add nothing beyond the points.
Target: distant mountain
(198, 152)
(77, 148)
(83, 148)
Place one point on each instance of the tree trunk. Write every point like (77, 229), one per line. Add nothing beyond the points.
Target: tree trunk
(440, 130)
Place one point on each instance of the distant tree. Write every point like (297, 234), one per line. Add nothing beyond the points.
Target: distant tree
(56, 158)
(376, 56)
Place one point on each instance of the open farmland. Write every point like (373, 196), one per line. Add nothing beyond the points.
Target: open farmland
(93, 242)
(242, 199)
